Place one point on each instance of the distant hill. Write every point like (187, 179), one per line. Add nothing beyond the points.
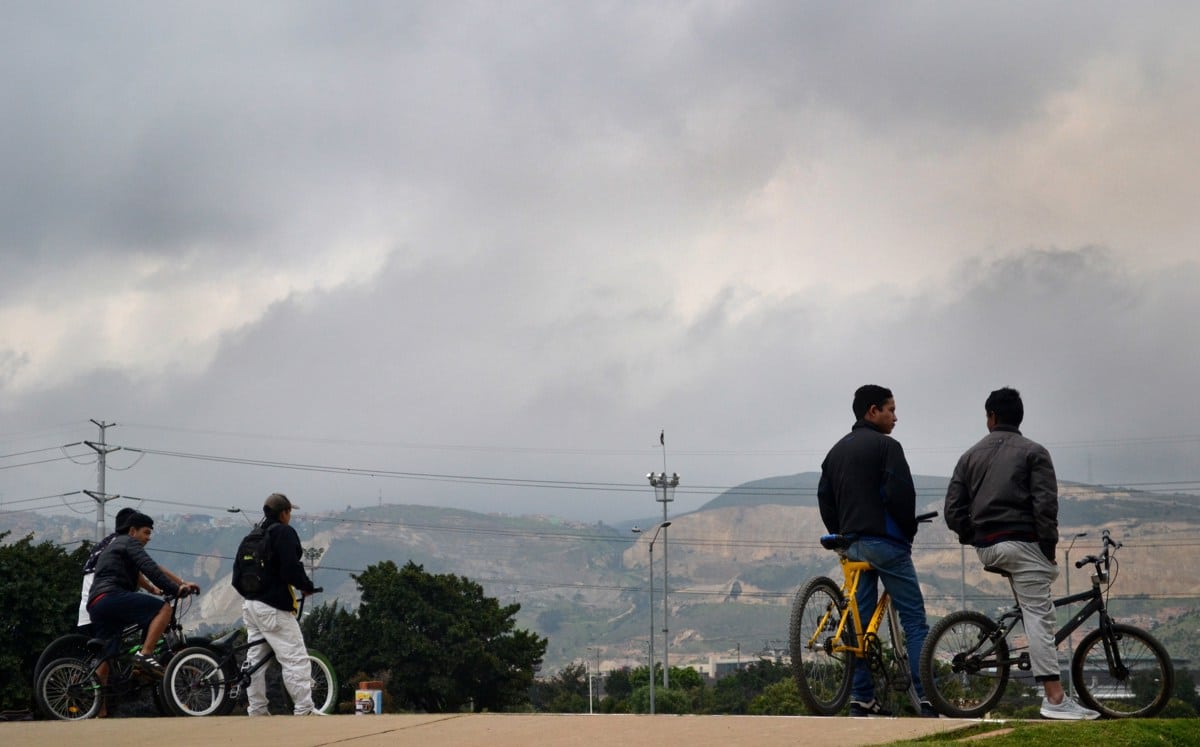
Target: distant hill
(733, 564)
(801, 490)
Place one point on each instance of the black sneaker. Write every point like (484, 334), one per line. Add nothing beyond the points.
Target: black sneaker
(928, 711)
(859, 708)
(147, 664)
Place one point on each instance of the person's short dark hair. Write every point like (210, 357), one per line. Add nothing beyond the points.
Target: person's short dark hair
(871, 394)
(123, 519)
(1006, 405)
(276, 504)
(137, 520)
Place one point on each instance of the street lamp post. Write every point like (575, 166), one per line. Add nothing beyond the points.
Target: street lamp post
(1067, 567)
(664, 493)
(591, 674)
(654, 538)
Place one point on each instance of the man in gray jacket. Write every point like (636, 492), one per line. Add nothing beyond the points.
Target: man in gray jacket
(1003, 499)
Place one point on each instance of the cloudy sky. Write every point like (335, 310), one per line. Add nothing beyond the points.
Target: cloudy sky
(479, 254)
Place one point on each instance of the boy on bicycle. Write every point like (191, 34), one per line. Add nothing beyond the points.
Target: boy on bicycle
(1003, 499)
(114, 601)
(866, 489)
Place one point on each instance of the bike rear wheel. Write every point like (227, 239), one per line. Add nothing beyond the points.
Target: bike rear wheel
(822, 675)
(959, 665)
(69, 646)
(1142, 685)
(195, 684)
(69, 690)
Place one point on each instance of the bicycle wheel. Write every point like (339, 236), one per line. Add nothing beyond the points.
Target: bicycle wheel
(888, 659)
(195, 684)
(1143, 685)
(324, 683)
(822, 676)
(68, 689)
(69, 646)
(959, 665)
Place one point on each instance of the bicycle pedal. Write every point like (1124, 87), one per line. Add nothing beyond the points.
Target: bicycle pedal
(1023, 662)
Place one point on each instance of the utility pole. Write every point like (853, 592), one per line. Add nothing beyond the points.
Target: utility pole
(100, 497)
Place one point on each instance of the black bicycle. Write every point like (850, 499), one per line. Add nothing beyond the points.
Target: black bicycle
(1119, 670)
(209, 680)
(71, 687)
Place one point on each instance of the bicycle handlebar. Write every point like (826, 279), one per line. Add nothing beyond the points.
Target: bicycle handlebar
(926, 518)
(1108, 544)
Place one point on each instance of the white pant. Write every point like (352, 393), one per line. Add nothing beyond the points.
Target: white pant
(1032, 575)
(283, 635)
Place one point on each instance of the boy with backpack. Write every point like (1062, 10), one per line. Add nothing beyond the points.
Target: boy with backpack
(267, 572)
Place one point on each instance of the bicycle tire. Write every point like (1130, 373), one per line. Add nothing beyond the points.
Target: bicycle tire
(324, 683)
(1141, 692)
(68, 690)
(822, 676)
(69, 646)
(956, 686)
(196, 684)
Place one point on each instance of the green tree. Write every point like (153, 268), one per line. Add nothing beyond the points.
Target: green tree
(443, 645)
(734, 693)
(39, 601)
(617, 684)
(779, 699)
(566, 692)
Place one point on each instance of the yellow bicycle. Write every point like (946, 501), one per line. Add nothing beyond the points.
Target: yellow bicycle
(827, 633)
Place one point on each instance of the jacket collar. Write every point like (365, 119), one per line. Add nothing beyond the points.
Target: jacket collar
(865, 424)
(1007, 429)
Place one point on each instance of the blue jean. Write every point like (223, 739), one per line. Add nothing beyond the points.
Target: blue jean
(893, 565)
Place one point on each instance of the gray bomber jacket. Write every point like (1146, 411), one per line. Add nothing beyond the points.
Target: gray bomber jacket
(1004, 483)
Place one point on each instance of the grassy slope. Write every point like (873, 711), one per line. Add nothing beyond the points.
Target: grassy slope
(1060, 734)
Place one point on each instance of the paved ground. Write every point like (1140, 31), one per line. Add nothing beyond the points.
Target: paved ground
(492, 730)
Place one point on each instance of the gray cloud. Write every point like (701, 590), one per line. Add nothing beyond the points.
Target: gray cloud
(518, 240)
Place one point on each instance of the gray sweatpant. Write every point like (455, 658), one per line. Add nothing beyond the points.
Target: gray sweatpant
(1032, 575)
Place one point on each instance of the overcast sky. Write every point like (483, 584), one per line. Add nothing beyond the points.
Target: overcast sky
(515, 240)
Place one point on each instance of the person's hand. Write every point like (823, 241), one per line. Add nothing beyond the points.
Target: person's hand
(1047, 547)
(189, 588)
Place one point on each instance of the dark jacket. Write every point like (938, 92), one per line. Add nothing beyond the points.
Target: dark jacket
(284, 569)
(1004, 487)
(118, 567)
(866, 487)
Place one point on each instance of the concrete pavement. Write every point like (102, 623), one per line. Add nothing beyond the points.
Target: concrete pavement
(490, 730)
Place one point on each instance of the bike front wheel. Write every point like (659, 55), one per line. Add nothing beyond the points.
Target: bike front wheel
(324, 683)
(196, 684)
(69, 690)
(961, 667)
(1127, 675)
(822, 674)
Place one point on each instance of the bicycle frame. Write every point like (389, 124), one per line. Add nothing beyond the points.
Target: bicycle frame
(246, 673)
(979, 657)
(852, 570)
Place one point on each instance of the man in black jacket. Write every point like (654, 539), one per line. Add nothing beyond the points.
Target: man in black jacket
(1003, 499)
(114, 601)
(271, 614)
(867, 490)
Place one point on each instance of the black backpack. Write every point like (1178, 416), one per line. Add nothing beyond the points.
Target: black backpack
(250, 563)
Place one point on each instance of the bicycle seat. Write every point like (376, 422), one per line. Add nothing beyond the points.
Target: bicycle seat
(1000, 571)
(104, 647)
(838, 541)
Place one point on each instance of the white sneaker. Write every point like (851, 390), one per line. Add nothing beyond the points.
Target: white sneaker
(1067, 710)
